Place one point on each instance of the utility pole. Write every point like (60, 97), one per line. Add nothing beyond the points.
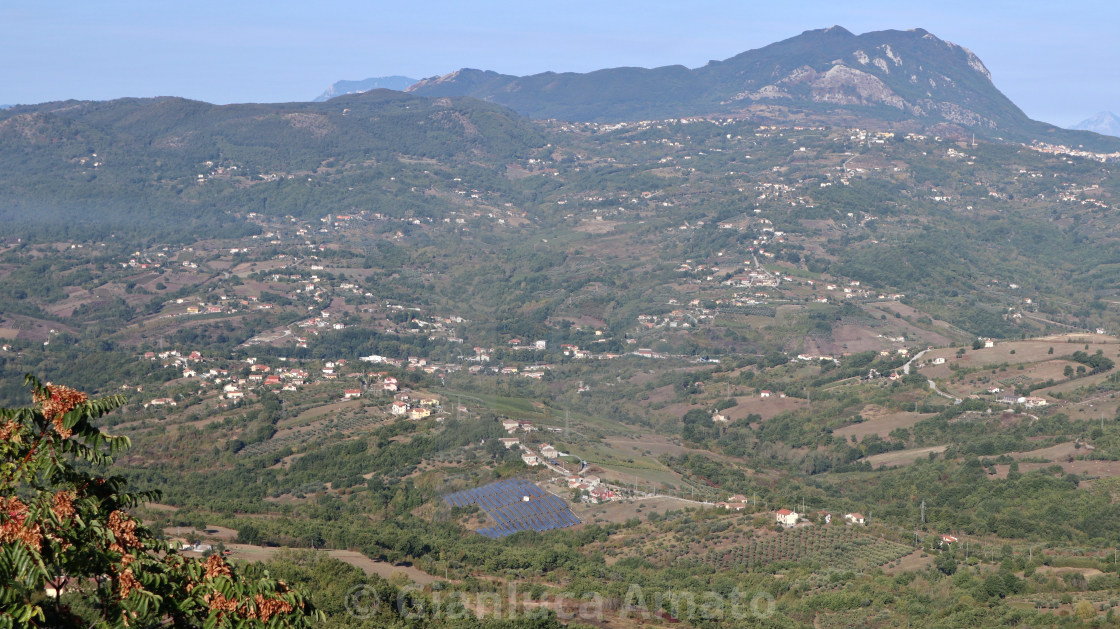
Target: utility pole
(923, 511)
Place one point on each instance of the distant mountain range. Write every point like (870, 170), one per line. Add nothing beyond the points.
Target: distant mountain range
(1104, 123)
(905, 80)
(340, 88)
(138, 160)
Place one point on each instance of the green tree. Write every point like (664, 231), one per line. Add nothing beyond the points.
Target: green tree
(63, 525)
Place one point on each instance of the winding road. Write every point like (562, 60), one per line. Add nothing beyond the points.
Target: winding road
(932, 384)
(933, 387)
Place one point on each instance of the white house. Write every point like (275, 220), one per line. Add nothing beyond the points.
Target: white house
(855, 518)
(786, 518)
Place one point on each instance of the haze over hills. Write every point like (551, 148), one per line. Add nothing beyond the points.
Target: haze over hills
(902, 79)
(340, 88)
(1104, 123)
(133, 163)
(700, 323)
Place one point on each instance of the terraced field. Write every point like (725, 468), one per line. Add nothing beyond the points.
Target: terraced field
(840, 548)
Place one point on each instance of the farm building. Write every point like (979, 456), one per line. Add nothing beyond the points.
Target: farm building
(786, 518)
(855, 518)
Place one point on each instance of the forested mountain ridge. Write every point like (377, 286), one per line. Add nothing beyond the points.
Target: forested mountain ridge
(908, 80)
(130, 164)
(877, 207)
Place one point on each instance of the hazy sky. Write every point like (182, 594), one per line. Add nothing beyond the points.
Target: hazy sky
(1056, 60)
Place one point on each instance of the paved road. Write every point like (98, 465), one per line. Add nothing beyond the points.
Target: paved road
(932, 384)
(906, 367)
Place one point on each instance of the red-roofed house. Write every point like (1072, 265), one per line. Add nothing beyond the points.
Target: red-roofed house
(786, 518)
(601, 494)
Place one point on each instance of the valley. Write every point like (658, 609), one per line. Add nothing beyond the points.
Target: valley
(857, 371)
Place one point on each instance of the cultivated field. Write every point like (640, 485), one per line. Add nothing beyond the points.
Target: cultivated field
(879, 421)
(899, 458)
(826, 547)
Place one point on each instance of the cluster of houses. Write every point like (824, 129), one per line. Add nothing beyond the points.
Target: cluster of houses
(535, 372)
(322, 321)
(144, 261)
(1061, 149)
(413, 363)
(790, 519)
(161, 401)
(596, 491)
(284, 378)
(545, 452)
(512, 425)
(1026, 401)
(757, 278)
(738, 502)
(421, 408)
(676, 319)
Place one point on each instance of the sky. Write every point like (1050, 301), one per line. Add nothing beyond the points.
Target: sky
(1056, 60)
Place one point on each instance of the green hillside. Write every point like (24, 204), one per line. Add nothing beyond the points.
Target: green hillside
(325, 317)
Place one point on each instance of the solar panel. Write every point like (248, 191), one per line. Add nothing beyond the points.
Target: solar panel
(504, 501)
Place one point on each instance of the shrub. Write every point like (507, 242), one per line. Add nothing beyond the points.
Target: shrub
(58, 518)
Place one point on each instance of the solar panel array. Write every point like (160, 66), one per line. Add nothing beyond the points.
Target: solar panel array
(516, 505)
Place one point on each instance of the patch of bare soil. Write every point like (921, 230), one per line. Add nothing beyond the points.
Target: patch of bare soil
(910, 563)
